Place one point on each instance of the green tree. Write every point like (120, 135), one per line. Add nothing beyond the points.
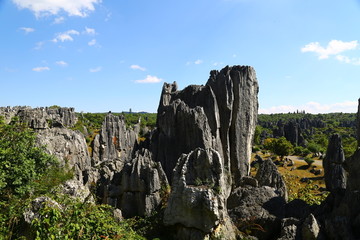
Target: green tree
(283, 147)
(21, 161)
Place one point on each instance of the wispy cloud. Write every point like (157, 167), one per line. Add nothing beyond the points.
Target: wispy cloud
(334, 47)
(94, 70)
(149, 79)
(27, 30)
(197, 62)
(65, 36)
(39, 45)
(89, 31)
(314, 107)
(50, 7)
(345, 59)
(216, 64)
(137, 67)
(40, 69)
(92, 42)
(59, 20)
(62, 63)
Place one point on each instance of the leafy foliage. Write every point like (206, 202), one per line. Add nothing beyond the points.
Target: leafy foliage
(21, 161)
(80, 220)
(279, 146)
(310, 193)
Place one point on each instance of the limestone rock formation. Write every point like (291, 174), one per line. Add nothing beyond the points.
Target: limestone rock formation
(33, 211)
(115, 141)
(41, 118)
(203, 141)
(257, 209)
(68, 146)
(268, 175)
(128, 180)
(335, 175)
(141, 185)
(52, 126)
(220, 115)
(342, 215)
(310, 228)
(199, 189)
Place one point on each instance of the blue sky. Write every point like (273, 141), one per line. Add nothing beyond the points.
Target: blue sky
(115, 55)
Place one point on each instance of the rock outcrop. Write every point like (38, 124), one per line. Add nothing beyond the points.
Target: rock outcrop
(199, 191)
(126, 179)
(203, 141)
(341, 215)
(220, 115)
(335, 174)
(141, 185)
(115, 141)
(268, 175)
(41, 118)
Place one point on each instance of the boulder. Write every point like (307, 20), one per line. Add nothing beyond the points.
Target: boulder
(33, 211)
(289, 229)
(257, 210)
(268, 175)
(310, 228)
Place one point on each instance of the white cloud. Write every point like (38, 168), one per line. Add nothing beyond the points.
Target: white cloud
(334, 47)
(40, 69)
(90, 31)
(59, 20)
(27, 29)
(137, 67)
(92, 42)
(39, 45)
(97, 69)
(199, 61)
(53, 7)
(314, 107)
(65, 36)
(218, 64)
(149, 79)
(61, 63)
(345, 59)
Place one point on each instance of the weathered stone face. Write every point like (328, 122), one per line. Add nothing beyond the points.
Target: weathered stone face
(268, 175)
(198, 191)
(335, 174)
(41, 118)
(115, 141)
(220, 115)
(203, 141)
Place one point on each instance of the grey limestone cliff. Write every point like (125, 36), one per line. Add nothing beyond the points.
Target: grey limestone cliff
(220, 115)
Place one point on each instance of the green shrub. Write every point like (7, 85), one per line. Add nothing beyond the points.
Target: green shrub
(309, 161)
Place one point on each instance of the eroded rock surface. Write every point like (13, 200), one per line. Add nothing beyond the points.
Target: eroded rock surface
(199, 190)
(335, 174)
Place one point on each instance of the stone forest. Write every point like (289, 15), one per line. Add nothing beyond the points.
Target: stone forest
(196, 173)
